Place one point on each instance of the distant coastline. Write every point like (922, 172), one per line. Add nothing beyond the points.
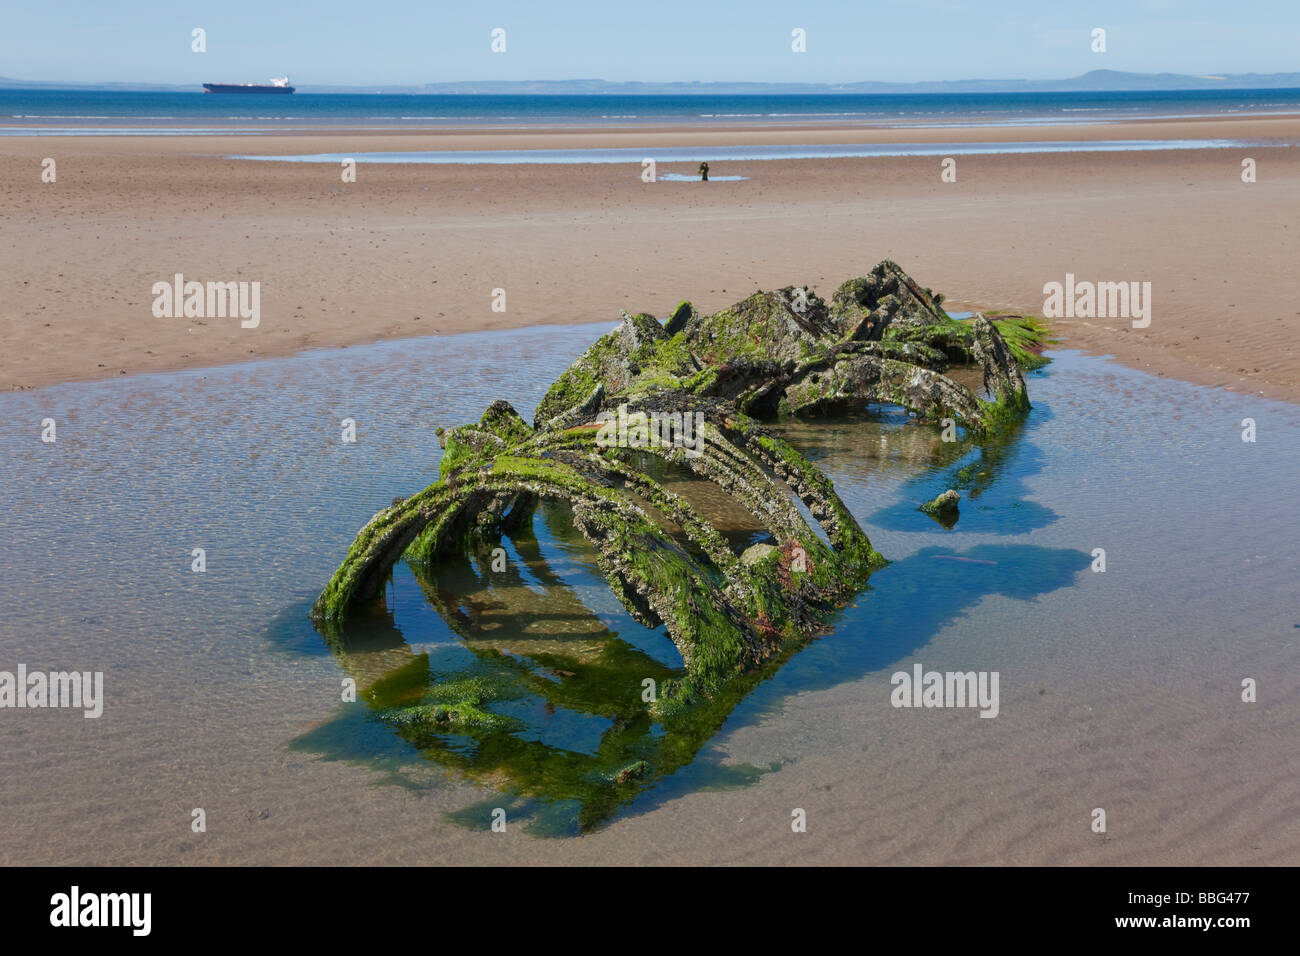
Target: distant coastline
(1095, 81)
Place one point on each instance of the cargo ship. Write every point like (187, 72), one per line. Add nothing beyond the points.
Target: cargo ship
(278, 85)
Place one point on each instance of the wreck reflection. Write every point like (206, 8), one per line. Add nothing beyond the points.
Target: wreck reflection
(538, 684)
(541, 697)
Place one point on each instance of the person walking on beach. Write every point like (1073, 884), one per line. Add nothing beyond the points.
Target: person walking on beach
(704, 172)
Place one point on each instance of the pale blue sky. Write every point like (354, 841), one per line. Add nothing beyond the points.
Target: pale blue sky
(410, 42)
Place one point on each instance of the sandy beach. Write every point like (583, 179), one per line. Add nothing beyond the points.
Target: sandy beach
(1122, 690)
(411, 250)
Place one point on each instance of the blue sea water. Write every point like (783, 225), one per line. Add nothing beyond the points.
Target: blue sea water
(33, 110)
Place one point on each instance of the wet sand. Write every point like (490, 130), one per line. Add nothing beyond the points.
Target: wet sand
(410, 250)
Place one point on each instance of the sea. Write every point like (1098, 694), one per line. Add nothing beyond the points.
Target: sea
(80, 112)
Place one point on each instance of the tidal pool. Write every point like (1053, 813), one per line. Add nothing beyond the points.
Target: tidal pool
(1119, 689)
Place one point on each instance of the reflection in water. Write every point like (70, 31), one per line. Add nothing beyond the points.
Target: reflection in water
(540, 697)
(535, 682)
(1004, 460)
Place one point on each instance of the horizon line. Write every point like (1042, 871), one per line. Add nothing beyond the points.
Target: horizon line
(1209, 80)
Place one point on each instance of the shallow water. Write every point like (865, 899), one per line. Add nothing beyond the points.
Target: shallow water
(1118, 689)
(672, 154)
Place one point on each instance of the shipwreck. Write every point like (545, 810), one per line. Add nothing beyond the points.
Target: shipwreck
(693, 393)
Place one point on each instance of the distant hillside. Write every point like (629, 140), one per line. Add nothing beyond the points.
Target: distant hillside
(1094, 81)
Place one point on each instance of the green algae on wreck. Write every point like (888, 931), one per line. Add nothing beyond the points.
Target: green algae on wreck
(944, 508)
(781, 354)
(881, 338)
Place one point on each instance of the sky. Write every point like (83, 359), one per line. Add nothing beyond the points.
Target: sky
(346, 42)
